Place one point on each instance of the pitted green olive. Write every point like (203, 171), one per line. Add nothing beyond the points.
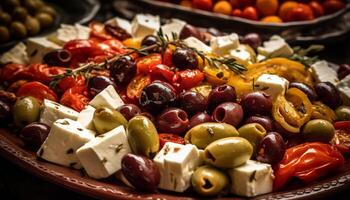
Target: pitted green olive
(143, 136)
(18, 30)
(106, 119)
(204, 134)
(318, 130)
(45, 19)
(343, 113)
(209, 181)
(253, 132)
(228, 152)
(26, 110)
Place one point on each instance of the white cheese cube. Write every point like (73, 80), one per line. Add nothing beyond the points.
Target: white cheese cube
(275, 47)
(120, 22)
(242, 55)
(107, 98)
(197, 44)
(224, 44)
(65, 137)
(16, 54)
(251, 179)
(260, 58)
(144, 24)
(67, 33)
(176, 165)
(101, 157)
(85, 117)
(38, 47)
(323, 73)
(52, 111)
(175, 26)
(272, 85)
(344, 89)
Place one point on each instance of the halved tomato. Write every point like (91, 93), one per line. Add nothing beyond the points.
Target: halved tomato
(136, 85)
(37, 90)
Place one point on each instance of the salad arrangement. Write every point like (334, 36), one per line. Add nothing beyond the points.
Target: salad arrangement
(170, 107)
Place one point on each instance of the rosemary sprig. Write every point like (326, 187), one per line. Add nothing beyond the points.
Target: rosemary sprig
(301, 55)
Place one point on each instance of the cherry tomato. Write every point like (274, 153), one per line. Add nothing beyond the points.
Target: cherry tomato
(69, 82)
(316, 8)
(341, 140)
(186, 79)
(76, 97)
(168, 57)
(203, 4)
(13, 72)
(250, 13)
(332, 6)
(37, 90)
(116, 45)
(301, 12)
(98, 31)
(136, 85)
(44, 73)
(237, 12)
(145, 63)
(161, 72)
(168, 137)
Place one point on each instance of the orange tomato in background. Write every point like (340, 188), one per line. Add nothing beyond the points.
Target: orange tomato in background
(285, 8)
(223, 7)
(272, 19)
(267, 7)
(300, 13)
(186, 3)
(251, 13)
(203, 4)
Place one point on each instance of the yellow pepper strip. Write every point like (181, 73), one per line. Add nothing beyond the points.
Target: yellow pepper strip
(321, 111)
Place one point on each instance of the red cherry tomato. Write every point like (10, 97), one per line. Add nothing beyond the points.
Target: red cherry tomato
(301, 12)
(37, 90)
(145, 63)
(168, 137)
(332, 6)
(186, 79)
(237, 12)
(69, 82)
(136, 85)
(250, 13)
(161, 72)
(76, 97)
(168, 57)
(44, 73)
(316, 8)
(203, 4)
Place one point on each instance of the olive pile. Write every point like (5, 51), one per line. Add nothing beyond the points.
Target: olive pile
(22, 18)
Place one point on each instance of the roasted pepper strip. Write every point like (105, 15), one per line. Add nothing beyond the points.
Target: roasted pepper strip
(292, 110)
(308, 162)
(321, 111)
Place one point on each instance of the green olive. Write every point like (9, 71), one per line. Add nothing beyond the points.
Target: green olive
(318, 130)
(343, 113)
(209, 181)
(10, 4)
(253, 132)
(32, 25)
(18, 30)
(204, 89)
(5, 18)
(204, 134)
(31, 5)
(106, 119)
(4, 34)
(45, 19)
(49, 10)
(20, 14)
(143, 136)
(26, 110)
(228, 152)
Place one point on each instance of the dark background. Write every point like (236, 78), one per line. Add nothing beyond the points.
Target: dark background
(16, 184)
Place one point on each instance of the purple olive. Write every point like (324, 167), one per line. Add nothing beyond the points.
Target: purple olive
(188, 31)
(328, 94)
(117, 32)
(343, 71)
(185, 58)
(59, 57)
(157, 96)
(264, 121)
(200, 118)
(229, 112)
(221, 94)
(141, 172)
(98, 83)
(192, 102)
(253, 40)
(129, 110)
(123, 70)
(271, 148)
(309, 91)
(34, 134)
(173, 120)
(257, 103)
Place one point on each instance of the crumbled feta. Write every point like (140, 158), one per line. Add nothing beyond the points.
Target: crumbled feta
(272, 85)
(275, 47)
(52, 111)
(16, 54)
(323, 73)
(107, 98)
(222, 45)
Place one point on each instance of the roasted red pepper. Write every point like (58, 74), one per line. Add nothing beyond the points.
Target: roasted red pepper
(307, 162)
(76, 97)
(136, 85)
(145, 63)
(168, 137)
(187, 79)
(37, 90)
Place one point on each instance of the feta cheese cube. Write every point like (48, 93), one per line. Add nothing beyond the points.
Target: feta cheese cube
(176, 165)
(85, 117)
(175, 26)
(120, 22)
(197, 44)
(275, 47)
(323, 73)
(251, 179)
(260, 58)
(101, 157)
(344, 89)
(224, 44)
(242, 55)
(67, 33)
(17, 54)
(65, 137)
(272, 85)
(107, 98)
(144, 24)
(38, 47)
(53, 111)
